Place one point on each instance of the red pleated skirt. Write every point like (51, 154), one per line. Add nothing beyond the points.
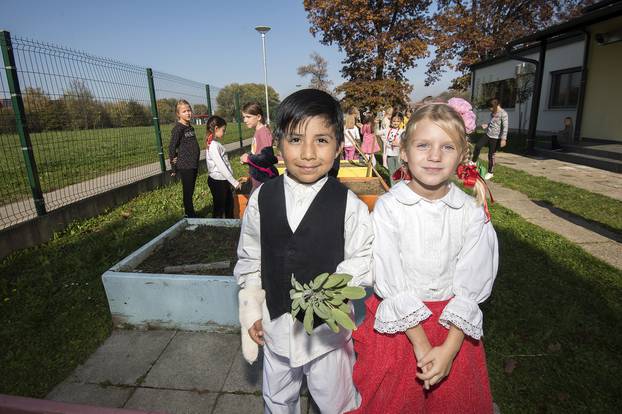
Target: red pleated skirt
(385, 371)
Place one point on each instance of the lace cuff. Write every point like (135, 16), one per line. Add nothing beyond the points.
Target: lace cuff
(413, 319)
(465, 326)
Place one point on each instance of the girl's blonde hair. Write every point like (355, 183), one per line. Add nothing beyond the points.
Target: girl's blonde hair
(180, 103)
(349, 121)
(451, 122)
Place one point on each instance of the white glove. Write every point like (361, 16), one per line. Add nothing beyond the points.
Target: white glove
(251, 300)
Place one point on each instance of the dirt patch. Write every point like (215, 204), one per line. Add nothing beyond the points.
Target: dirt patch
(365, 187)
(205, 244)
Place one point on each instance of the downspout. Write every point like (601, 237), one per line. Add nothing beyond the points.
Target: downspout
(472, 85)
(582, 87)
(535, 97)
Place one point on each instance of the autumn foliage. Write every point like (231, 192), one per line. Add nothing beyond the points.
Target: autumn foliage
(381, 39)
(467, 32)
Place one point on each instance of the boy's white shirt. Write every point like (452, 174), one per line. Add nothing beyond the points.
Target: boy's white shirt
(218, 165)
(284, 335)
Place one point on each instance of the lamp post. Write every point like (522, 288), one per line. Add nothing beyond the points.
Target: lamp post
(263, 30)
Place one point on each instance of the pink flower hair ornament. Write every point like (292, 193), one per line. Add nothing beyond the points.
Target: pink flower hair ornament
(464, 108)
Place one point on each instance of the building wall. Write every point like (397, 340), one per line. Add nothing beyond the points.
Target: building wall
(564, 55)
(602, 114)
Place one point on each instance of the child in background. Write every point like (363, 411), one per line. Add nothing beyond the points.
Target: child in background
(261, 166)
(435, 260)
(352, 137)
(253, 117)
(302, 223)
(496, 135)
(220, 174)
(392, 138)
(370, 144)
(183, 153)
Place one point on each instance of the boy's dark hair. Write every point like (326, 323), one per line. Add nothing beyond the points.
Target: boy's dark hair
(304, 104)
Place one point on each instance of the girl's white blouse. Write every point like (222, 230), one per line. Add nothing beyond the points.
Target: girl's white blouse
(432, 251)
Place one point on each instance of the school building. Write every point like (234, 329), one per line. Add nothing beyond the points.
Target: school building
(581, 79)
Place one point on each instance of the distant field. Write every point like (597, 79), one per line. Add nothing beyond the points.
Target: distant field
(68, 157)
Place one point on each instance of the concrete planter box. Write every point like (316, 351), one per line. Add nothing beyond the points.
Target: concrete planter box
(171, 301)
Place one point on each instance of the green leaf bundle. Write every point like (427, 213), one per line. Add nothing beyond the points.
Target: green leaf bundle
(325, 297)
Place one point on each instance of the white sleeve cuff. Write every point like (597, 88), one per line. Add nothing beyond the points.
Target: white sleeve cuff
(400, 312)
(465, 314)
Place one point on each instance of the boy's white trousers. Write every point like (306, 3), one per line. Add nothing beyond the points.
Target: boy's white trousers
(329, 379)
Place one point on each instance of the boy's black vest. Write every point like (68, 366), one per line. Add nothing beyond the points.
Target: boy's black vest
(316, 246)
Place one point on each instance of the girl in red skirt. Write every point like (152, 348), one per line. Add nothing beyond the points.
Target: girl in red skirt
(435, 259)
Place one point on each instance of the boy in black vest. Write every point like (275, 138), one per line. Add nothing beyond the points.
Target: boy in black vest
(302, 223)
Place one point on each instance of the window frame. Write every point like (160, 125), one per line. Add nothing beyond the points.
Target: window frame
(484, 98)
(557, 75)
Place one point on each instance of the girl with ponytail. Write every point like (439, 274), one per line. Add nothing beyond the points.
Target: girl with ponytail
(220, 174)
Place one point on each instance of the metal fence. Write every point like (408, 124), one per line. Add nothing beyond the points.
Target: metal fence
(73, 125)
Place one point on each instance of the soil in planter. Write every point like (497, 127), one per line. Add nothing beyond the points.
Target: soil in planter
(205, 244)
(365, 187)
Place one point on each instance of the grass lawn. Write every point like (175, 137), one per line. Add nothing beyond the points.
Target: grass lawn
(68, 157)
(598, 208)
(591, 206)
(550, 334)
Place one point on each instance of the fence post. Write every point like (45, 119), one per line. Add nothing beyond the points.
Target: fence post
(237, 116)
(209, 100)
(156, 120)
(21, 122)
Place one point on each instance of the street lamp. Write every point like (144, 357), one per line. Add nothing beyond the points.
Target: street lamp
(263, 30)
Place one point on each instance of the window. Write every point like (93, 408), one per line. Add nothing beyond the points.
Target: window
(504, 89)
(565, 85)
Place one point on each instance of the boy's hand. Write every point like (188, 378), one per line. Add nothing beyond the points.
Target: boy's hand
(484, 126)
(504, 142)
(174, 161)
(243, 158)
(256, 332)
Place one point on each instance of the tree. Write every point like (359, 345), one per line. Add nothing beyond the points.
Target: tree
(82, 109)
(166, 110)
(200, 109)
(468, 31)
(43, 113)
(381, 39)
(249, 92)
(318, 72)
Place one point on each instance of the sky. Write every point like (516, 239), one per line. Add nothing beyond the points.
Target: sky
(209, 41)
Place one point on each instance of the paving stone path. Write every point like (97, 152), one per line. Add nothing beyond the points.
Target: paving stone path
(596, 240)
(169, 371)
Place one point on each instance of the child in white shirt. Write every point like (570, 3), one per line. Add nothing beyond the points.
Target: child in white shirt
(391, 140)
(435, 259)
(301, 223)
(220, 174)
